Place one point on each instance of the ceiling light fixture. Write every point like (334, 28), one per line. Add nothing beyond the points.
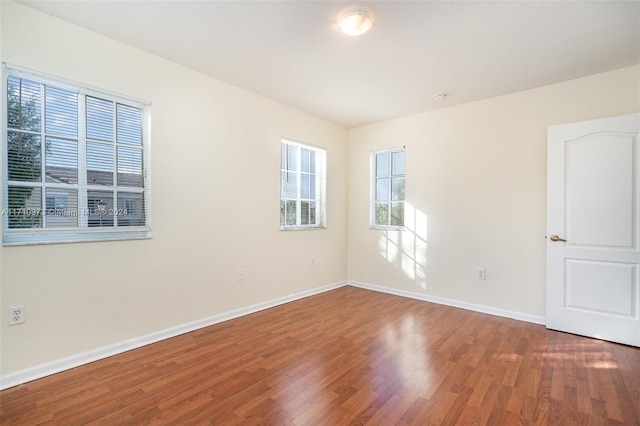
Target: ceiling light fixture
(441, 96)
(355, 23)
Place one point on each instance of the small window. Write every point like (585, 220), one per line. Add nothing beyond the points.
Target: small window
(75, 160)
(302, 170)
(387, 189)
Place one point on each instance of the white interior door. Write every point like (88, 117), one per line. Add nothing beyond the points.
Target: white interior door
(593, 278)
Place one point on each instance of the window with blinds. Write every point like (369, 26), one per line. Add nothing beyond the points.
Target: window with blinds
(387, 189)
(76, 162)
(302, 176)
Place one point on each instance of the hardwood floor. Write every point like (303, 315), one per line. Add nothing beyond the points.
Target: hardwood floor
(348, 356)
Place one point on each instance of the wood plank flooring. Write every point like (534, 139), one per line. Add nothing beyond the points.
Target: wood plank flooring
(347, 357)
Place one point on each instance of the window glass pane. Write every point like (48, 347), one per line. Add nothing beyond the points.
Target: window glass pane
(312, 185)
(308, 213)
(61, 112)
(304, 160)
(312, 162)
(283, 156)
(292, 163)
(304, 187)
(312, 213)
(382, 214)
(283, 185)
(61, 208)
(23, 157)
(129, 124)
(130, 209)
(382, 164)
(291, 185)
(397, 214)
(99, 164)
(99, 119)
(397, 163)
(23, 104)
(61, 165)
(282, 212)
(397, 189)
(25, 207)
(304, 213)
(100, 208)
(129, 166)
(382, 189)
(290, 213)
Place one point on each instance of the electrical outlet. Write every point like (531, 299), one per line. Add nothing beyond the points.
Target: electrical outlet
(481, 273)
(240, 275)
(16, 315)
(312, 262)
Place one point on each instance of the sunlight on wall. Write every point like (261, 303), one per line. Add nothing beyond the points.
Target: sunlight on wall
(407, 249)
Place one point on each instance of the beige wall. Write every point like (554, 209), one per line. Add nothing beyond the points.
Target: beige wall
(215, 206)
(476, 193)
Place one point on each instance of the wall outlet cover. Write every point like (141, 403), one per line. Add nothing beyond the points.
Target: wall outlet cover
(16, 315)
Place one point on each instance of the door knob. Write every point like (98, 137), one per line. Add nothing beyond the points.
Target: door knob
(555, 238)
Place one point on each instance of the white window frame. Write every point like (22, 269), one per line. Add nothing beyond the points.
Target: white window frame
(372, 188)
(320, 186)
(81, 233)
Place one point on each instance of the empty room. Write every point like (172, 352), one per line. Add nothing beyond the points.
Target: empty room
(320, 212)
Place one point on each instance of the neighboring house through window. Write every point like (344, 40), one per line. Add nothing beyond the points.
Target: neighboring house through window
(387, 189)
(75, 159)
(302, 176)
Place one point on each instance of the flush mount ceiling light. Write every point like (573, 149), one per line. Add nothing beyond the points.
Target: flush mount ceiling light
(355, 23)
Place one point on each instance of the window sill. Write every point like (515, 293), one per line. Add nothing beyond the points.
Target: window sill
(386, 228)
(302, 228)
(41, 237)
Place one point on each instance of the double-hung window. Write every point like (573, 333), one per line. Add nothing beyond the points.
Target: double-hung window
(75, 162)
(387, 189)
(302, 176)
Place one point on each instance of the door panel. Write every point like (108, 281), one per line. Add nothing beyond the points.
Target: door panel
(601, 287)
(599, 182)
(593, 277)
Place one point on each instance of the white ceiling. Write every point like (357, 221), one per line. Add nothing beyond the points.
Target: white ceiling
(292, 51)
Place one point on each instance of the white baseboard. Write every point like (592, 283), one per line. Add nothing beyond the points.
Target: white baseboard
(46, 369)
(454, 303)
